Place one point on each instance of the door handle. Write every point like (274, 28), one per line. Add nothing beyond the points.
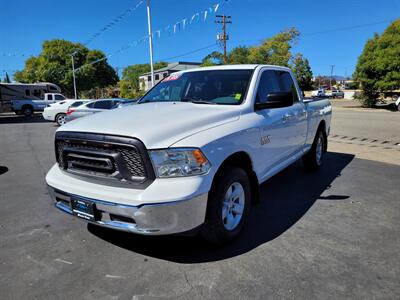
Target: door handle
(286, 117)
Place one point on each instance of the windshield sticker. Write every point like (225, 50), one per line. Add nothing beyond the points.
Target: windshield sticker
(172, 77)
(238, 96)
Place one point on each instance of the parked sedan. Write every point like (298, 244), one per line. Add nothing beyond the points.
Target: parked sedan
(93, 107)
(57, 112)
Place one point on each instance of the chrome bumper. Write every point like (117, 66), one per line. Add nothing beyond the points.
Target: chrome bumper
(152, 219)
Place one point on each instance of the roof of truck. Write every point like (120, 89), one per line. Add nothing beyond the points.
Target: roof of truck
(234, 67)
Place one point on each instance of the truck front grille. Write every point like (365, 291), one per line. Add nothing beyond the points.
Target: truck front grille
(106, 157)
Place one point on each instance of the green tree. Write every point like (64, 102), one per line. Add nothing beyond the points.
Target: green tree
(129, 84)
(378, 67)
(212, 59)
(302, 70)
(275, 50)
(53, 64)
(239, 55)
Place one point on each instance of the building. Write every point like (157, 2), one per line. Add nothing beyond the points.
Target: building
(160, 74)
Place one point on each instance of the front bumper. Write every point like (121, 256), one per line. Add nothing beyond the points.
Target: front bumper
(148, 219)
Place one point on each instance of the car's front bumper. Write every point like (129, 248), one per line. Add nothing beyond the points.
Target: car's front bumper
(149, 219)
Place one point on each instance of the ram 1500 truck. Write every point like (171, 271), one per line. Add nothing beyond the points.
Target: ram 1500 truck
(28, 107)
(190, 156)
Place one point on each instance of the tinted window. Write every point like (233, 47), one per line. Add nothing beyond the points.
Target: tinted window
(49, 97)
(287, 84)
(76, 104)
(268, 84)
(37, 93)
(59, 97)
(27, 92)
(90, 105)
(157, 77)
(105, 104)
(148, 78)
(165, 75)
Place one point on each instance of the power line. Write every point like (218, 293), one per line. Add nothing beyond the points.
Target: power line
(112, 23)
(190, 52)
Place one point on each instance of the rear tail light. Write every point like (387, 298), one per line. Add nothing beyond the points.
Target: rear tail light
(69, 111)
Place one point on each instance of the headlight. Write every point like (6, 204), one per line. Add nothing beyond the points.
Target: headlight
(179, 162)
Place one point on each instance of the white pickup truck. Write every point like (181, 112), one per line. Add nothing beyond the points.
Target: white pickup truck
(190, 156)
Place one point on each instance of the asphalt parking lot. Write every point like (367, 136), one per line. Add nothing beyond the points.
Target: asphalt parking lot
(331, 234)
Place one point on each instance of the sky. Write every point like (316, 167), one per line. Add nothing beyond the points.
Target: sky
(332, 32)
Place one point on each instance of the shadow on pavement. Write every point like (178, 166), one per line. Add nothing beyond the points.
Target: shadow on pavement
(14, 119)
(285, 198)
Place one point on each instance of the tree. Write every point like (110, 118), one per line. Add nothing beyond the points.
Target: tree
(378, 67)
(212, 59)
(275, 50)
(302, 70)
(239, 55)
(129, 84)
(53, 64)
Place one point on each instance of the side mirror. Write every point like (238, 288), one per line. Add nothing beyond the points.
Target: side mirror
(276, 100)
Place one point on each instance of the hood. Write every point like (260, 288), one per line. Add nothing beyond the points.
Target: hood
(157, 125)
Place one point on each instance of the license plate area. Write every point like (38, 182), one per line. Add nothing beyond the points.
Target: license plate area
(83, 209)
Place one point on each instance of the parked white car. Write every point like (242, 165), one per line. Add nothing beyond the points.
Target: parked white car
(318, 93)
(57, 112)
(191, 154)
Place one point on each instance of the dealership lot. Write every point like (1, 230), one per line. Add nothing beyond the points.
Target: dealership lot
(331, 234)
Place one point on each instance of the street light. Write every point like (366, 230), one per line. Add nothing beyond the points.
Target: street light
(150, 42)
(73, 72)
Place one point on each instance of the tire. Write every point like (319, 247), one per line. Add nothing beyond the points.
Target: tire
(395, 98)
(398, 107)
(60, 119)
(229, 195)
(27, 110)
(313, 159)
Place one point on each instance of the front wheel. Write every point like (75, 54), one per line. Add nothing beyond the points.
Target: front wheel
(313, 159)
(228, 206)
(60, 119)
(27, 111)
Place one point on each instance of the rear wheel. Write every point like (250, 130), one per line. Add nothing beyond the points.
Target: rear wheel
(395, 97)
(60, 119)
(228, 206)
(313, 159)
(27, 111)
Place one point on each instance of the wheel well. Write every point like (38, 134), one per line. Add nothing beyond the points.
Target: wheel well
(322, 128)
(242, 160)
(26, 106)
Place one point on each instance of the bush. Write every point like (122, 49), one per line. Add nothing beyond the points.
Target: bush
(367, 98)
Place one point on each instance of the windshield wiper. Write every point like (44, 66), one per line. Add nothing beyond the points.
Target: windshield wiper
(200, 101)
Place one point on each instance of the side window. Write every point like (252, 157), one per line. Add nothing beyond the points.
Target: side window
(268, 84)
(106, 104)
(27, 92)
(59, 97)
(36, 93)
(91, 105)
(76, 104)
(49, 97)
(157, 77)
(287, 84)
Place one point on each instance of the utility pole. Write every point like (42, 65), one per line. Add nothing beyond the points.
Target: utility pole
(73, 73)
(222, 19)
(150, 42)
(330, 79)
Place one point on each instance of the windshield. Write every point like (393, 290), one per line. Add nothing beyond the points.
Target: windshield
(227, 87)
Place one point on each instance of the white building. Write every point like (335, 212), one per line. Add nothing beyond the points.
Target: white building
(160, 74)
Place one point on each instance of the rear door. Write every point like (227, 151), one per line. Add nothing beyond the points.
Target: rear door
(295, 118)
